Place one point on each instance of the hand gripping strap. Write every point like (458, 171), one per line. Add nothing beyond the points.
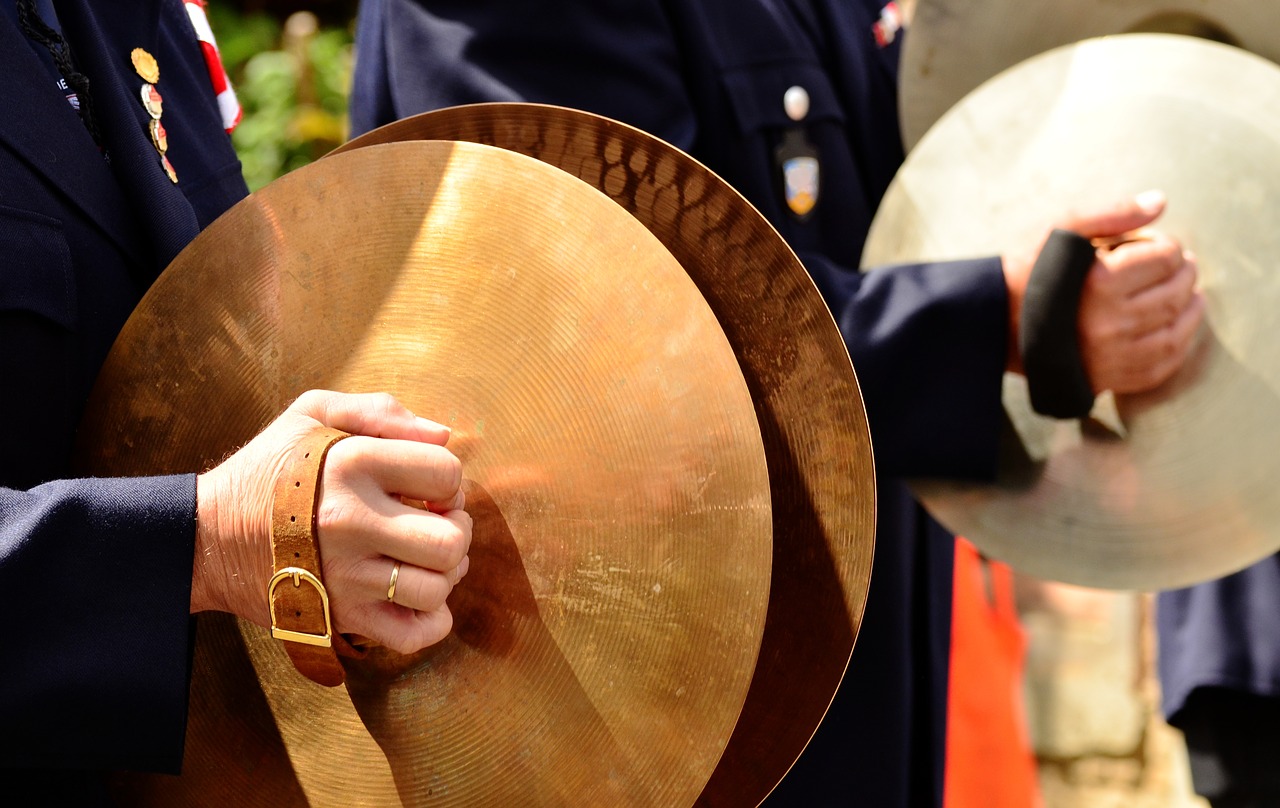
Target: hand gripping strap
(1047, 336)
(298, 600)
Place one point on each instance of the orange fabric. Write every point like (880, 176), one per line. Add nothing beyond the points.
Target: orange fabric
(990, 763)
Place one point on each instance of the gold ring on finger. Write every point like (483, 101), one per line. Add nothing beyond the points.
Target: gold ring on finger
(391, 587)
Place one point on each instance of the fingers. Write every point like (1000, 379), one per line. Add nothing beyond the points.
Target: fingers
(1158, 355)
(434, 541)
(356, 525)
(1138, 265)
(416, 588)
(406, 631)
(417, 617)
(403, 630)
(1126, 215)
(376, 415)
(1135, 362)
(1139, 311)
(420, 471)
(1159, 305)
(395, 497)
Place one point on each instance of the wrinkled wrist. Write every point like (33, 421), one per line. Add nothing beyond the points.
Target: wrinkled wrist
(230, 567)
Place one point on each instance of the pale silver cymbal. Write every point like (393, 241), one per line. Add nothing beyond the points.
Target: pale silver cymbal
(952, 46)
(1168, 488)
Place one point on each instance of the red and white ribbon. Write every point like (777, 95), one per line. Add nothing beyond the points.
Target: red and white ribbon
(887, 27)
(228, 104)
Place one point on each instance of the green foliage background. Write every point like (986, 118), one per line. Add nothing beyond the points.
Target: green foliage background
(292, 75)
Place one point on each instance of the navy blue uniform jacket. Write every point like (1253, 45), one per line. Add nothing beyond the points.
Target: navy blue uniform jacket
(1222, 634)
(95, 575)
(928, 342)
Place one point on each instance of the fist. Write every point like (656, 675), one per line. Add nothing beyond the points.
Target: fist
(389, 495)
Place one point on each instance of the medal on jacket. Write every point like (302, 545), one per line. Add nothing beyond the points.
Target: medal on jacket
(144, 64)
(800, 172)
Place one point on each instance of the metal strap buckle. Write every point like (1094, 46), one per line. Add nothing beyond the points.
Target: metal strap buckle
(298, 575)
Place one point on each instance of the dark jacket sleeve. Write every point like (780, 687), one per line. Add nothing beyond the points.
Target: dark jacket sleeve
(95, 587)
(928, 342)
(1223, 633)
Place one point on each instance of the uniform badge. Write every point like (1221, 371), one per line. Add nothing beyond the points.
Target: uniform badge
(800, 172)
(168, 169)
(800, 183)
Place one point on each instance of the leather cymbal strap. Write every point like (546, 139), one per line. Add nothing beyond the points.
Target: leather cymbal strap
(299, 602)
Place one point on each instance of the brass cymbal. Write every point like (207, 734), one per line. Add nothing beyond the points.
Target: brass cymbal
(955, 45)
(1158, 490)
(605, 638)
(807, 401)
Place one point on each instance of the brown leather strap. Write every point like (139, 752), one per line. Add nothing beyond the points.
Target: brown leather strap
(299, 602)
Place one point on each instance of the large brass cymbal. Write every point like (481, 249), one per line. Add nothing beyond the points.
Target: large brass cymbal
(606, 635)
(955, 45)
(1159, 490)
(807, 400)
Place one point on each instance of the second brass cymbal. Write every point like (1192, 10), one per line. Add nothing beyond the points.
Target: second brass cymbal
(605, 637)
(807, 401)
(1158, 490)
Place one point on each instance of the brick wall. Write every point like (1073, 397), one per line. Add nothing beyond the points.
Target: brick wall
(1093, 701)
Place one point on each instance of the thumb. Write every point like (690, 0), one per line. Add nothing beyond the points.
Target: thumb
(377, 415)
(1123, 217)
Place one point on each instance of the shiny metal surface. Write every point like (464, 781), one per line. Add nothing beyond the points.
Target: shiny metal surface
(807, 402)
(605, 638)
(1163, 489)
(953, 46)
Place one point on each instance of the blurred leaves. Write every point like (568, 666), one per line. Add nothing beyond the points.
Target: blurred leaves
(292, 80)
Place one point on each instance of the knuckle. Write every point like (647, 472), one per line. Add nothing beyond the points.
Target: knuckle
(402, 643)
(385, 404)
(426, 594)
(1147, 376)
(1108, 332)
(453, 542)
(348, 461)
(1159, 373)
(435, 627)
(335, 512)
(448, 468)
(468, 526)
(311, 398)
(426, 628)
(1188, 274)
(1100, 278)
